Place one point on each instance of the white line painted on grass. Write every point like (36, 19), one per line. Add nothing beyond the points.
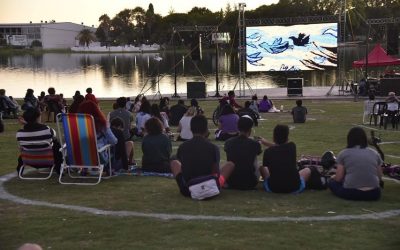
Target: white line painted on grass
(95, 211)
(375, 129)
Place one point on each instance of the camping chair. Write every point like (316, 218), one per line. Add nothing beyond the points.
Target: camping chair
(42, 157)
(378, 110)
(80, 149)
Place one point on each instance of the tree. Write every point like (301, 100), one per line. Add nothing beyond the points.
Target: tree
(85, 37)
(149, 19)
(103, 31)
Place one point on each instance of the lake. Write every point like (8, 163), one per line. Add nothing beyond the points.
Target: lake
(114, 75)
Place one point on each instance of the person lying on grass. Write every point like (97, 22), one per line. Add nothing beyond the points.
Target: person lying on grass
(279, 169)
(198, 158)
(242, 152)
(359, 172)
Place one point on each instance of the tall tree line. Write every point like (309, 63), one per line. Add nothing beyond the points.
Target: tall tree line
(137, 26)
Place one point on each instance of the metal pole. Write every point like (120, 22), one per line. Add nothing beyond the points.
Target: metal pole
(216, 72)
(175, 95)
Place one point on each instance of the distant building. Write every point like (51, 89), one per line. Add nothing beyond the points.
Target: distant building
(52, 35)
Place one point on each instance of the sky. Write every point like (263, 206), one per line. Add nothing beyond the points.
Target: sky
(89, 11)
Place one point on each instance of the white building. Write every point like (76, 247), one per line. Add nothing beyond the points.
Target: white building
(52, 35)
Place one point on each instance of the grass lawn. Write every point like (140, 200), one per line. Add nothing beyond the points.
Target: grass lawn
(326, 129)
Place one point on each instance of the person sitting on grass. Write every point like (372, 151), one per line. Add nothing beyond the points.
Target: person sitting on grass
(198, 157)
(250, 112)
(177, 112)
(279, 169)
(242, 152)
(194, 103)
(90, 97)
(155, 112)
(34, 131)
(227, 126)
(156, 148)
(30, 101)
(104, 134)
(125, 116)
(358, 172)
(73, 108)
(265, 105)
(141, 118)
(299, 112)
(123, 150)
(7, 106)
(185, 133)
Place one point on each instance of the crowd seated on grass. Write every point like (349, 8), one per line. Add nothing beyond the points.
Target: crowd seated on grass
(156, 147)
(358, 173)
(227, 126)
(197, 160)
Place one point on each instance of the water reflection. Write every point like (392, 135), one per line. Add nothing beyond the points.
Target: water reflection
(112, 75)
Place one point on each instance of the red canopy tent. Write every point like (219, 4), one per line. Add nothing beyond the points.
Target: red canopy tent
(376, 58)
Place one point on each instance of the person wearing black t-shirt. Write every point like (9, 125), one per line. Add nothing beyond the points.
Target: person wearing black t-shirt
(279, 165)
(242, 151)
(198, 157)
(176, 113)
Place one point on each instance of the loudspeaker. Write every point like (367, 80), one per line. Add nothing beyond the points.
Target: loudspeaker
(196, 89)
(195, 47)
(295, 86)
(392, 40)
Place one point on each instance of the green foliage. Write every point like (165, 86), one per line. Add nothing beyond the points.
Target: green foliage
(36, 43)
(85, 37)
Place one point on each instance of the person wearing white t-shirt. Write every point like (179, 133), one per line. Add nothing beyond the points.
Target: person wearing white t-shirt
(184, 125)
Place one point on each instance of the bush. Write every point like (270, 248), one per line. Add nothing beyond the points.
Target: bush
(36, 43)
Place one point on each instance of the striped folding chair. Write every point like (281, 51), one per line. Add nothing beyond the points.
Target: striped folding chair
(36, 154)
(80, 148)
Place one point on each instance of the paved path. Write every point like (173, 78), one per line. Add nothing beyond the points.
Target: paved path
(7, 196)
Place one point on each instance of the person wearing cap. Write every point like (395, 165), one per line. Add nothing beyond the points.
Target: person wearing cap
(392, 107)
(242, 152)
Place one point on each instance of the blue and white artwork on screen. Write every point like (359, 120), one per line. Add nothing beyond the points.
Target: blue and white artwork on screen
(291, 48)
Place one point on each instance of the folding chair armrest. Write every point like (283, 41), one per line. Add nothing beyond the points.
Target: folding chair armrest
(104, 148)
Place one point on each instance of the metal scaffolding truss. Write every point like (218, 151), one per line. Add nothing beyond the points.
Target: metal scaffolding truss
(383, 20)
(291, 20)
(194, 28)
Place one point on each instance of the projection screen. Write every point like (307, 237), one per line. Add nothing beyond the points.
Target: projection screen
(291, 48)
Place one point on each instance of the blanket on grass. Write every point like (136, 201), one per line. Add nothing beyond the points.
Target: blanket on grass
(137, 171)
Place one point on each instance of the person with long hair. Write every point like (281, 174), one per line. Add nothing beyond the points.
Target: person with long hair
(358, 172)
(155, 112)
(185, 133)
(156, 147)
(141, 117)
(227, 127)
(104, 134)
